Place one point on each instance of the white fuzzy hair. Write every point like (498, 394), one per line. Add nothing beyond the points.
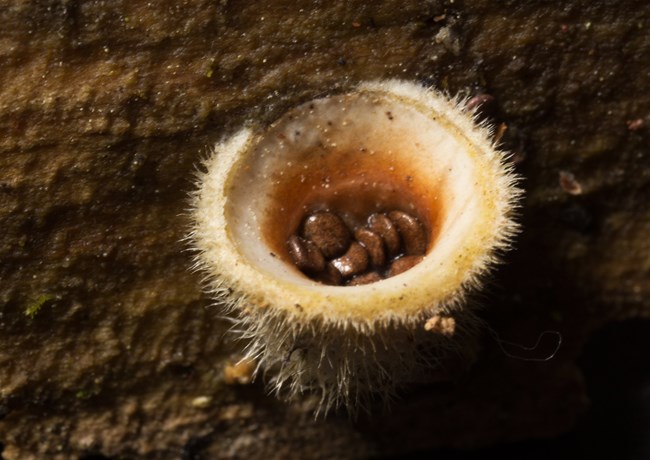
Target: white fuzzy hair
(349, 357)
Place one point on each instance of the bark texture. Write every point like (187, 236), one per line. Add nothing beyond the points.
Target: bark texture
(107, 345)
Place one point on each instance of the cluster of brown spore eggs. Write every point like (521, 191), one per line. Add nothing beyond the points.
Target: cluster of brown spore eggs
(330, 252)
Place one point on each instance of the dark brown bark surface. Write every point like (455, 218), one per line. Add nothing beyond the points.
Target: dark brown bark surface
(107, 344)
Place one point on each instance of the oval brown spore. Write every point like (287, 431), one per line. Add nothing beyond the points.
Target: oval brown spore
(384, 227)
(412, 233)
(374, 244)
(328, 232)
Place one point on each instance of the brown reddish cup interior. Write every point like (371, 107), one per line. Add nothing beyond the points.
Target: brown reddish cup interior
(352, 184)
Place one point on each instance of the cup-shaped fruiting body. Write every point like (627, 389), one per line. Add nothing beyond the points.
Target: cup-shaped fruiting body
(385, 153)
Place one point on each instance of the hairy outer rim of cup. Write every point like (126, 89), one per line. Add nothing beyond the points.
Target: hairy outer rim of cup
(384, 144)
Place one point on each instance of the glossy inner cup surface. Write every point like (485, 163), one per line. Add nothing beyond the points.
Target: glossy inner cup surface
(351, 184)
(350, 154)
